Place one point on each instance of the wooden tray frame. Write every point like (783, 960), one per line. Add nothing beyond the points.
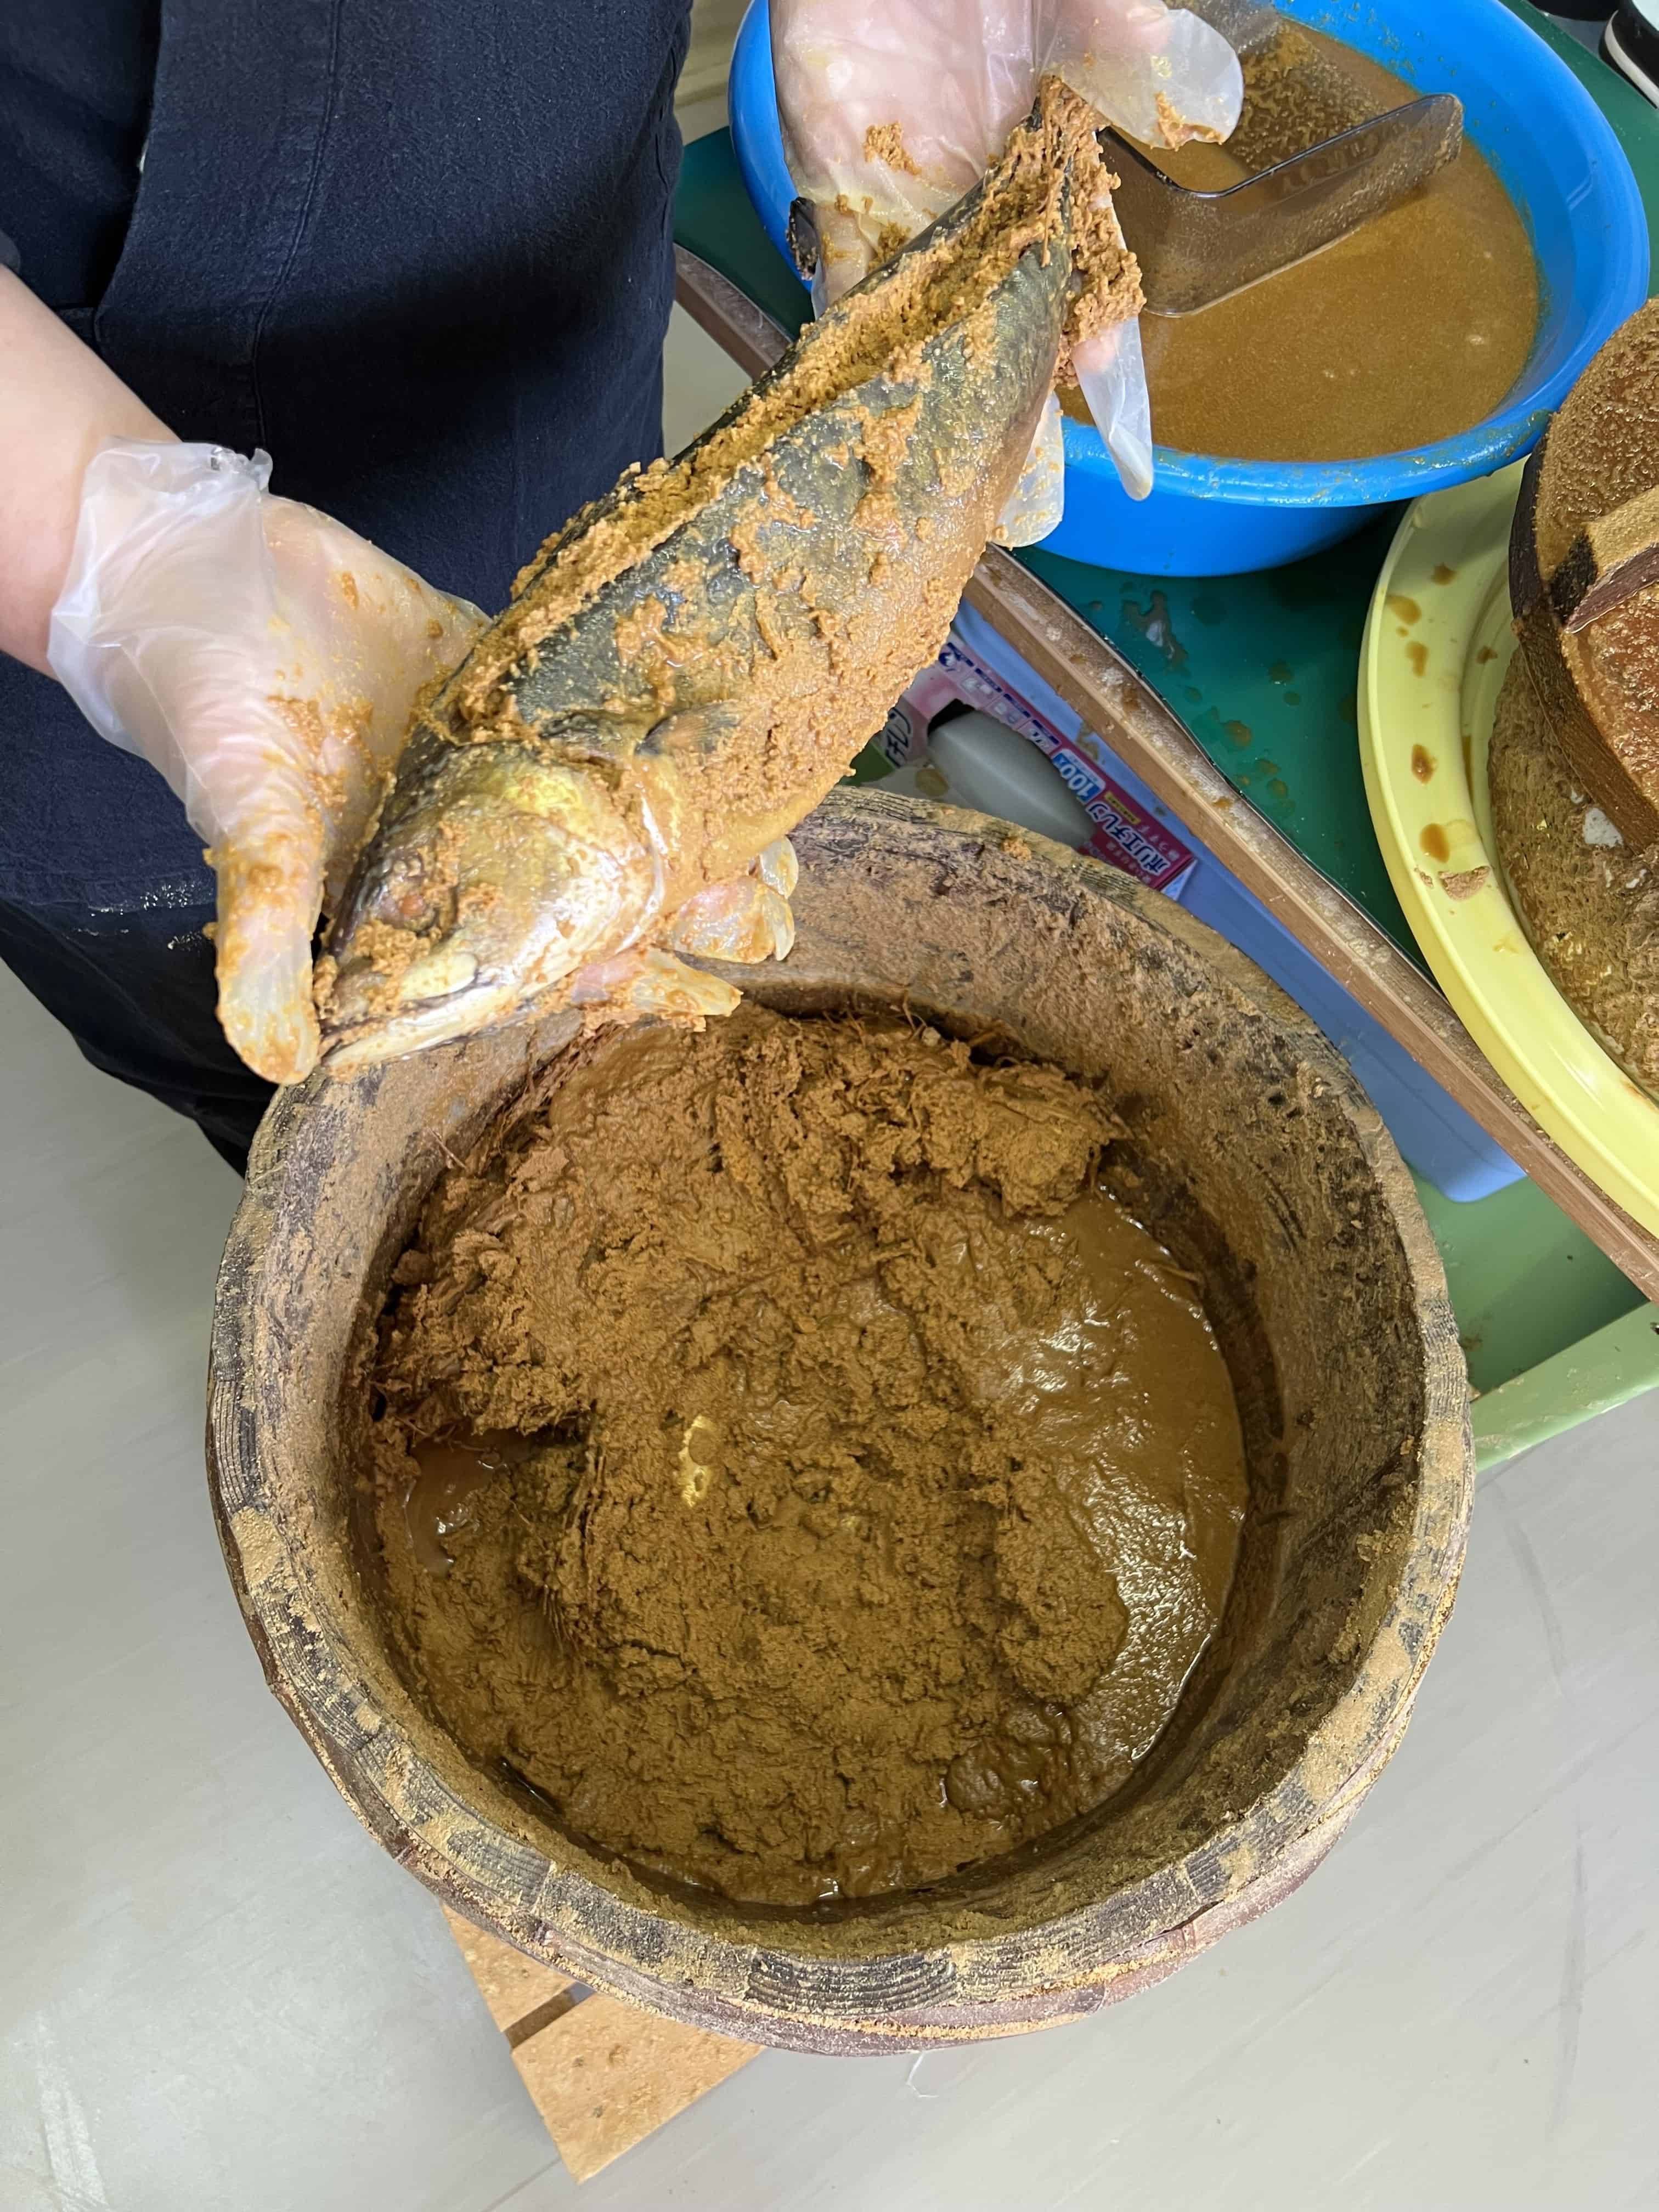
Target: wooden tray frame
(602, 2074)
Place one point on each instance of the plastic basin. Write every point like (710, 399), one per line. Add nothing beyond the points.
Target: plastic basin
(1562, 165)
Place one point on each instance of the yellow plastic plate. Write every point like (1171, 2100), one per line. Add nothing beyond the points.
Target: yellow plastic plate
(1437, 642)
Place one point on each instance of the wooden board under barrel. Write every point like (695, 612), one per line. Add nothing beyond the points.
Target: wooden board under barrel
(603, 2075)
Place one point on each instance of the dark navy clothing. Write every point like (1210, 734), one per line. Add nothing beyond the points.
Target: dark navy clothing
(419, 252)
(138, 991)
(75, 86)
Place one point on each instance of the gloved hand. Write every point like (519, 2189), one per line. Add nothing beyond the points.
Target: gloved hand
(266, 660)
(891, 109)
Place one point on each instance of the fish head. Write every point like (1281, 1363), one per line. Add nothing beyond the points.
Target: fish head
(498, 869)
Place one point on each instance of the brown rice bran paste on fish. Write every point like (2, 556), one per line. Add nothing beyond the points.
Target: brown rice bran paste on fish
(1047, 192)
(1413, 328)
(792, 1467)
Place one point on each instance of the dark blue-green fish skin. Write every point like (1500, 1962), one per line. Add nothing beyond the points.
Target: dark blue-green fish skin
(606, 754)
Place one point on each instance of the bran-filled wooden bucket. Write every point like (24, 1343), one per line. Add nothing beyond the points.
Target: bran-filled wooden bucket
(1250, 1154)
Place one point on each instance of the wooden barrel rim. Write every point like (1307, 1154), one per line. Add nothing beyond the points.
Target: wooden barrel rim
(996, 1984)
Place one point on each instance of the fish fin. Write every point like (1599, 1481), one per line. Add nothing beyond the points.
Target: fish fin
(649, 982)
(778, 867)
(742, 919)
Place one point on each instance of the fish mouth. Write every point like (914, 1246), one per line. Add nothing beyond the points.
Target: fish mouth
(349, 1045)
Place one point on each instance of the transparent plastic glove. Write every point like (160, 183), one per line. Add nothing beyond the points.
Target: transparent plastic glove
(890, 109)
(266, 660)
(1111, 374)
(1038, 500)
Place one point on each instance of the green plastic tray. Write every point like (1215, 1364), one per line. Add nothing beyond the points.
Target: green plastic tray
(1263, 671)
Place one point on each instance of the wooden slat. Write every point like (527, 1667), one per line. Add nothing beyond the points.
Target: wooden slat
(1101, 687)
(607, 2074)
(603, 2075)
(513, 1987)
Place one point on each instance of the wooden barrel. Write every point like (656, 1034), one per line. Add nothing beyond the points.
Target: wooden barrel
(1256, 1160)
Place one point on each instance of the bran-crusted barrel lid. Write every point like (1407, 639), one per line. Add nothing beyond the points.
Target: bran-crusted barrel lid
(1584, 575)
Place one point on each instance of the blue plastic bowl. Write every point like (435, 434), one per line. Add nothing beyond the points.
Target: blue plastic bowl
(1563, 167)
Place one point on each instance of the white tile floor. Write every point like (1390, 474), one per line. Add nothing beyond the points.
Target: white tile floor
(217, 1994)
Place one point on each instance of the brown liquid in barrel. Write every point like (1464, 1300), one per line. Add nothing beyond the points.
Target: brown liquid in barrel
(896, 1530)
(439, 1501)
(1413, 328)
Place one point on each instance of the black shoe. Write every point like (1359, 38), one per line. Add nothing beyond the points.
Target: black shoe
(1630, 44)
